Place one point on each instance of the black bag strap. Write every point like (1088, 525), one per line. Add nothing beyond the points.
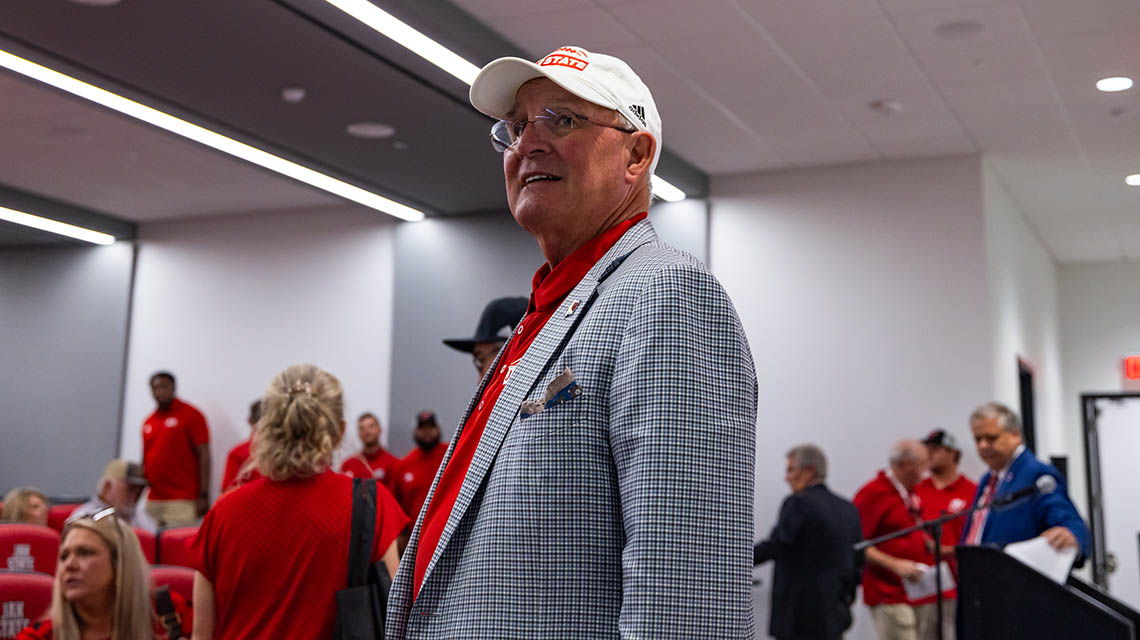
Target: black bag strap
(363, 529)
(164, 607)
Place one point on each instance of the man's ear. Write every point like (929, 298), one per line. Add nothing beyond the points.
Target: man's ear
(641, 151)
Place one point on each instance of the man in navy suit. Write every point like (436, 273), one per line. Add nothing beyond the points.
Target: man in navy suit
(997, 434)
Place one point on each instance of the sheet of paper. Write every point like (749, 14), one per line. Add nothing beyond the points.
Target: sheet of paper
(926, 585)
(1040, 555)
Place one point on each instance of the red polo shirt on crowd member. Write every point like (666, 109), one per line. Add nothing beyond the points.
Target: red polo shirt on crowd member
(882, 511)
(236, 458)
(954, 497)
(42, 629)
(273, 585)
(550, 288)
(169, 458)
(413, 475)
(379, 464)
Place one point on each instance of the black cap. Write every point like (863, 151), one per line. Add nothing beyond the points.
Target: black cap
(940, 438)
(499, 319)
(425, 417)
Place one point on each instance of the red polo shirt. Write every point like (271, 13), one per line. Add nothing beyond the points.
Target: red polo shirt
(412, 478)
(169, 459)
(955, 497)
(379, 464)
(237, 458)
(551, 286)
(882, 511)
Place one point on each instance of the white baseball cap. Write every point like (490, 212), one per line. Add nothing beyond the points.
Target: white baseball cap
(595, 77)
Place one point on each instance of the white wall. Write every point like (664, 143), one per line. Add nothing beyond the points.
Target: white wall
(863, 292)
(1025, 318)
(226, 303)
(1100, 325)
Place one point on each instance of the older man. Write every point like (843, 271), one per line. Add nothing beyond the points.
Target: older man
(1012, 467)
(817, 569)
(119, 487)
(600, 484)
(888, 504)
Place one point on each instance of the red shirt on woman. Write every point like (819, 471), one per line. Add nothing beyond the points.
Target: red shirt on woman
(277, 553)
(42, 629)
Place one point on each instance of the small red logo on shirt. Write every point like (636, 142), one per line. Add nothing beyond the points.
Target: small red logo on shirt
(171, 422)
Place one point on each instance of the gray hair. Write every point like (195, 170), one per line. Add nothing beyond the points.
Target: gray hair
(809, 456)
(906, 450)
(996, 410)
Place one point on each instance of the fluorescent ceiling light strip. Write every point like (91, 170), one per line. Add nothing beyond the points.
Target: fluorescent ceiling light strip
(442, 57)
(406, 36)
(55, 226)
(209, 138)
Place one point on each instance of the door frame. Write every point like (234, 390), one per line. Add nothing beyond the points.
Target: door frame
(1089, 415)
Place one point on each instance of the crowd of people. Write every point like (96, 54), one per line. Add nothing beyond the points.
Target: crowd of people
(816, 541)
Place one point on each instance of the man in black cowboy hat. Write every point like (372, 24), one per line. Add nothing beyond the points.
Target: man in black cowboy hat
(499, 319)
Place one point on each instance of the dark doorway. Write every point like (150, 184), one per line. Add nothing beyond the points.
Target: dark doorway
(1028, 413)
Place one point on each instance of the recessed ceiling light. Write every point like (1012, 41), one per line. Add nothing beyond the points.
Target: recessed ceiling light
(55, 226)
(1133, 180)
(400, 145)
(96, 3)
(1110, 85)
(207, 137)
(370, 130)
(958, 29)
(385, 23)
(293, 95)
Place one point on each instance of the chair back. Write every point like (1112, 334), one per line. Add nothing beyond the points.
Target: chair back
(180, 579)
(174, 546)
(24, 598)
(149, 544)
(28, 547)
(58, 514)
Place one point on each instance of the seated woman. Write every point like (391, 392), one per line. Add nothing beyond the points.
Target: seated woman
(272, 553)
(102, 587)
(25, 505)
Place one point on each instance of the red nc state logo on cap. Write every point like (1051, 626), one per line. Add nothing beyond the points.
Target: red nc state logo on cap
(566, 57)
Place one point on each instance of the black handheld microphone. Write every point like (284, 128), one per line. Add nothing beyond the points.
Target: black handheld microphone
(1043, 485)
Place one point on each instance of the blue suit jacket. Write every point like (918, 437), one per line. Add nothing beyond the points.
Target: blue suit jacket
(1030, 517)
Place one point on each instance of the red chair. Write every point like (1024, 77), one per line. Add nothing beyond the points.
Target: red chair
(28, 547)
(58, 514)
(24, 598)
(174, 546)
(149, 544)
(180, 579)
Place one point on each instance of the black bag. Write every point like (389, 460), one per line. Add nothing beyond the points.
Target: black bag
(361, 608)
(167, 614)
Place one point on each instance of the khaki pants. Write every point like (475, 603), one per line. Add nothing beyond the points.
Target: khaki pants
(172, 513)
(928, 620)
(895, 621)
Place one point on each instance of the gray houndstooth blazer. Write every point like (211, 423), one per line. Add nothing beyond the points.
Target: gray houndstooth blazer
(624, 511)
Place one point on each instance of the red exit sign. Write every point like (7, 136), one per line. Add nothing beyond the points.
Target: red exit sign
(1132, 367)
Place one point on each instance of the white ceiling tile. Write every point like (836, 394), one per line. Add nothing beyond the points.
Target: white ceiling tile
(823, 145)
(1065, 17)
(915, 101)
(920, 129)
(1001, 24)
(1013, 105)
(1102, 54)
(593, 29)
(849, 40)
(487, 10)
(903, 7)
(841, 77)
(1120, 140)
(995, 62)
(783, 13)
(926, 148)
(661, 20)
(718, 54)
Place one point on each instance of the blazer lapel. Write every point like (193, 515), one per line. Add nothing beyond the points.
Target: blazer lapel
(541, 353)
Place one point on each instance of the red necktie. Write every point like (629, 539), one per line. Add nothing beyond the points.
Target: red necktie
(978, 521)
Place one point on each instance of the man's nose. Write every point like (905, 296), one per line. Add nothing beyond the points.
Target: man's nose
(531, 139)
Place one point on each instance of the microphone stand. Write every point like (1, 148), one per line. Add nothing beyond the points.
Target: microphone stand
(934, 528)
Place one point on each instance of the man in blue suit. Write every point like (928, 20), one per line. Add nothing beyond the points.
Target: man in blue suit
(997, 434)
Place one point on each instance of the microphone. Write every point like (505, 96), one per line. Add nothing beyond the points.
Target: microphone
(1044, 485)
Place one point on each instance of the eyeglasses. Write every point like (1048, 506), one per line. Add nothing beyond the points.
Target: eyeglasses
(505, 134)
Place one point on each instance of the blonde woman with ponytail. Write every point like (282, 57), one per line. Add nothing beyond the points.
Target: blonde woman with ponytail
(102, 587)
(271, 555)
